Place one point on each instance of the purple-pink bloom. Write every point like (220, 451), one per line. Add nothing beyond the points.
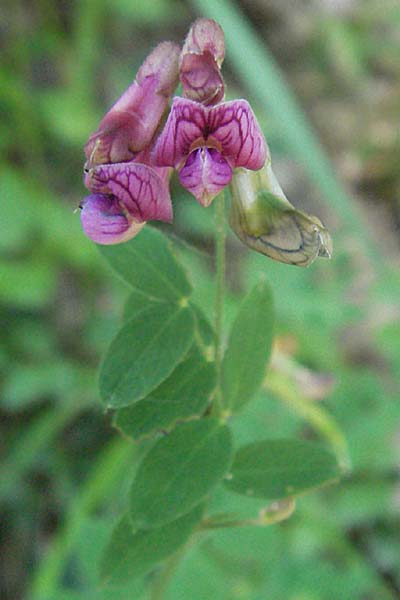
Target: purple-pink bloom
(200, 62)
(205, 144)
(130, 124)
(136, 193)
(142, 189)
(105, 220)
(126, 189)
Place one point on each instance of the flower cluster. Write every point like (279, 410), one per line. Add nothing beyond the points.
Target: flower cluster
(211, 144)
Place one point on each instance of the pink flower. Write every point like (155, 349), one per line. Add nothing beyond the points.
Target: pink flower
(125, 196)
(200, 63)
(205, 139)
(205, 144)
(129, 125)
(127, 191)
(106, 221)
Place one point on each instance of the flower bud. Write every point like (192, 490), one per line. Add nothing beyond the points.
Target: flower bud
(200, 62)
(129, 126)
(263, 219)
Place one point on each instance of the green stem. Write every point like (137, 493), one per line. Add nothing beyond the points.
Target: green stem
(159, 588)
(316, 416)
(219, 296)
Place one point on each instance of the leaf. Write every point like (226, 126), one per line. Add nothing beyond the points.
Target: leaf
(179, 471)
(131, 553)
(249, 348)
(279, 468)
(183, 395)
(144, 353)
(204, 328)
(148, 264)
(136, 303)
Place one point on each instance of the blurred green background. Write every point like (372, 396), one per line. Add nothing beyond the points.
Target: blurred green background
(325, 69)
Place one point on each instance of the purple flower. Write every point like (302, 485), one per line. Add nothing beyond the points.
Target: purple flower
(200, 63)
(205, 144)
(125, 195)
(205, 139)
(129, 126)
(126, 189)
(106, 221)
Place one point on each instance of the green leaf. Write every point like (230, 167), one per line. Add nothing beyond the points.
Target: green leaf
(249, 348)
(148, 264)
(279, 468)
(204, 330)
(132, 553)
(136, 303)
(185, 394)
(179, 471)
(144, 353)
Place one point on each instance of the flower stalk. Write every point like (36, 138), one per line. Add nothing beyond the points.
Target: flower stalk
(218, 408)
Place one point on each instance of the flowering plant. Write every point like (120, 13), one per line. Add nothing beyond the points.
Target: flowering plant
(169, 376)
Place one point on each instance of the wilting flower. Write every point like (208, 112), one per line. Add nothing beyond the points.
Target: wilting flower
(264, 219)
(127, 190)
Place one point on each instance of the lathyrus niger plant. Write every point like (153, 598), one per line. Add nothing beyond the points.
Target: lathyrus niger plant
(171, 379)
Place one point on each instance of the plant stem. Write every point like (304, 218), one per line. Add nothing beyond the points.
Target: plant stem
(315, 415)
(161, 584)
(219, 296)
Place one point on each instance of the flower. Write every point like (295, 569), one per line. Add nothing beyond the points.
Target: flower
(264, 219)
(210, 142)
(206, 143)
(105, 220)
(125, 196)
(130, 124)
(127, 190)
(200, 62)
(204, 138)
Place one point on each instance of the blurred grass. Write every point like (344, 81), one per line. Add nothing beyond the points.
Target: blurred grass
(61, 66)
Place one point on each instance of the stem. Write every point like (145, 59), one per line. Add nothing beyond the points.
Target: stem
(316, 416)
(219, 296)
(162, 582)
